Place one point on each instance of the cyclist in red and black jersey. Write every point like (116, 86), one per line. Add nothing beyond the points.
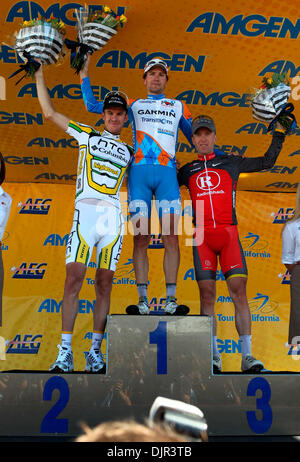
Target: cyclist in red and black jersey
(212, 183)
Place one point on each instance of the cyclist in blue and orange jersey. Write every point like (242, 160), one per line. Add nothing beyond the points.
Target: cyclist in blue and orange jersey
(155, 122)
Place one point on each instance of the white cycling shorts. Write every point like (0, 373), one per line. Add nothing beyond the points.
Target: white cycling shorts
(100, 226)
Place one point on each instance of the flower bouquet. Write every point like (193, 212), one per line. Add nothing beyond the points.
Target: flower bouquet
(94, 31)
(41, 39)
(270, 102)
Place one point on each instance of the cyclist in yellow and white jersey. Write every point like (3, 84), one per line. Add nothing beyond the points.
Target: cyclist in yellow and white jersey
(102, 163)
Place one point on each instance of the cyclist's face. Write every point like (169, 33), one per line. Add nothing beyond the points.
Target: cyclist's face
(204, 140)
(114, 118)
(155, 80)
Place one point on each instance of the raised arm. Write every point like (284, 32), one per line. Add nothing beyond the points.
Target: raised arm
(46, 104)
(89, 99)
(256, 164)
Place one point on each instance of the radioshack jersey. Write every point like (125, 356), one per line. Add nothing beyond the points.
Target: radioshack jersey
(102, 163)
(214, 181)
(155, 122)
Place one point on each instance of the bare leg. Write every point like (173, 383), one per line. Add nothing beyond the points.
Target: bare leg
(75, 273)
(169, 226)
(237, 292)
(103, 286)
(207, 289)
(141, 242)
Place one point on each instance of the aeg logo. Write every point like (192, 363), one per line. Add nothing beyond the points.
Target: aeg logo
(27, 345)
(282, 215)
(29, 271)
(35, 207)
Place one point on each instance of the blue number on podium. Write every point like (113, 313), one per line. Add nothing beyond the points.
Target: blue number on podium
(159, 338)
(50, 423)
(262, 403)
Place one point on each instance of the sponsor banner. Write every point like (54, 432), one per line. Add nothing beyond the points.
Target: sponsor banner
(33, 250)
(232, 38)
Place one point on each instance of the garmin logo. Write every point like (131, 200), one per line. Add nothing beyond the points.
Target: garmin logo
(156, 112)
(253, 25)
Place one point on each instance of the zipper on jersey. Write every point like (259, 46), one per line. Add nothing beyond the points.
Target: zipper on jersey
(209, 193)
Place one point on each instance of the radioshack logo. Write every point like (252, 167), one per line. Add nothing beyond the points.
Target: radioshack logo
(282, 215)
(35, 206)
(208, 180)
(29, 271)
(27, 344)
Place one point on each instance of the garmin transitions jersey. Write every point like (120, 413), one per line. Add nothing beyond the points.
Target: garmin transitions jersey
(155, 122)
(102, 163)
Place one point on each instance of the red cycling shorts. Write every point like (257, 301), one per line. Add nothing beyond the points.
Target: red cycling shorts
(223, 243)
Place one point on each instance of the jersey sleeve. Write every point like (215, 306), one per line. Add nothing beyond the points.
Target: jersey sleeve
(256, 164)
(89, 99)
(182, 176)
(185, 123)
(77, 130)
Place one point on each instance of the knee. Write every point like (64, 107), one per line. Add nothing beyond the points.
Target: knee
(103, 286)
(171, 242)
(73, 284)
(141, 241)
(238, 293)
(207, 297)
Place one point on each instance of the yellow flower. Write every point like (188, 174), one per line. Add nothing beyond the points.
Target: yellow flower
(123, 18)
(269, 81)
(106, 9)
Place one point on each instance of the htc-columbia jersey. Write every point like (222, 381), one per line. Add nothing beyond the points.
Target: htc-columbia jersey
(102, 163)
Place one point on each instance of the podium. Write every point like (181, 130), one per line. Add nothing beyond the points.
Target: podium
(150, 356)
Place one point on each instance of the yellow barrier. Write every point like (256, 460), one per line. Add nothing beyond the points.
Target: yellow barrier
(34, 260)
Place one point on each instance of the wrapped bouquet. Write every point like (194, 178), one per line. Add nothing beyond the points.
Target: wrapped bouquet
(39, 39)
(94, 30)
(270, 102)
